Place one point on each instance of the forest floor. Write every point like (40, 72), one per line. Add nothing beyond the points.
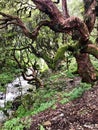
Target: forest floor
(79, 114)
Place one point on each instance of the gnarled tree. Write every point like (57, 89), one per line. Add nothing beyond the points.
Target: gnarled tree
(63, 23)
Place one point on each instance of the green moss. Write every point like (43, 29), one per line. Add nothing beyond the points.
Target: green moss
(60, 54)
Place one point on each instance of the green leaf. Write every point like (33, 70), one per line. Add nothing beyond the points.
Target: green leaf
(41, 127)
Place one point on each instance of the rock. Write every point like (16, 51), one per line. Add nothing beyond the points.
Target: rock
(16, 85)
(2, 117)
(16, 103)
(29, 90)
(47, 123)
(10, 96)
(1, 95)
(2, 103)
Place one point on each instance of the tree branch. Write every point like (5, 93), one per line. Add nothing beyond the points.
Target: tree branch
(64, 8)
(59, 23)
(9, 19)
(77, 24)
(29, 77)
(91, 49)
(90, 14)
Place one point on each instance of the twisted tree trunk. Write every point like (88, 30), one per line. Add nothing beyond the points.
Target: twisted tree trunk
(85, 67)
(62, 22)
(66, 24)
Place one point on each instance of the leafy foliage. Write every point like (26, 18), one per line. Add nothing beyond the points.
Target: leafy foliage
(17, 124)
(41, 127)
(45, 98)
(76, 92)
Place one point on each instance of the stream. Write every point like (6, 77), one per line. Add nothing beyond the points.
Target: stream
(18, 87)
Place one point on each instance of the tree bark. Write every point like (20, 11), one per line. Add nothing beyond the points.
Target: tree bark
(63, 23)
(64, 8)
(85, 67)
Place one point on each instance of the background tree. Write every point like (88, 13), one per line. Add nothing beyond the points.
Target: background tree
(56, 21)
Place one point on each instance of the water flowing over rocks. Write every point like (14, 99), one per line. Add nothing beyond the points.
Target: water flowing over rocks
(18, 87)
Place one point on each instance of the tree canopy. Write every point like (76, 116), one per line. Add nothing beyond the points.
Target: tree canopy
(41, 27)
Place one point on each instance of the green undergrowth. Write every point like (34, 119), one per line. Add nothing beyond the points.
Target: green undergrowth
(75, 93)
(55, 91)
(8, 73)
(17, 124)
(41, 100)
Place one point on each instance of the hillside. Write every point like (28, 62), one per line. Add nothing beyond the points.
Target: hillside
(79, 114)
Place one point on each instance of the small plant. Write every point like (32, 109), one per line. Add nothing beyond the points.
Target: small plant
(75, 93)
(41, 127)
(21, 111)
(43, 106)
(2, 89)
(5, 78)
(69, 74)
(36, 102)
(17, 124)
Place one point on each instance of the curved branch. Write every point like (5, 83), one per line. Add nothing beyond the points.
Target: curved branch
(9, 19)
(59, 23)
(90, 14)
(91, 49)
(64, 8)
(29, 77)
(48, 7)
(77, 24)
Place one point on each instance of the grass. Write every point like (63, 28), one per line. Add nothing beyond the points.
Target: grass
(46, 97)
(75, 93)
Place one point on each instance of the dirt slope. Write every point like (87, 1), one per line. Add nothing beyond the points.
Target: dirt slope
(80, 114)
